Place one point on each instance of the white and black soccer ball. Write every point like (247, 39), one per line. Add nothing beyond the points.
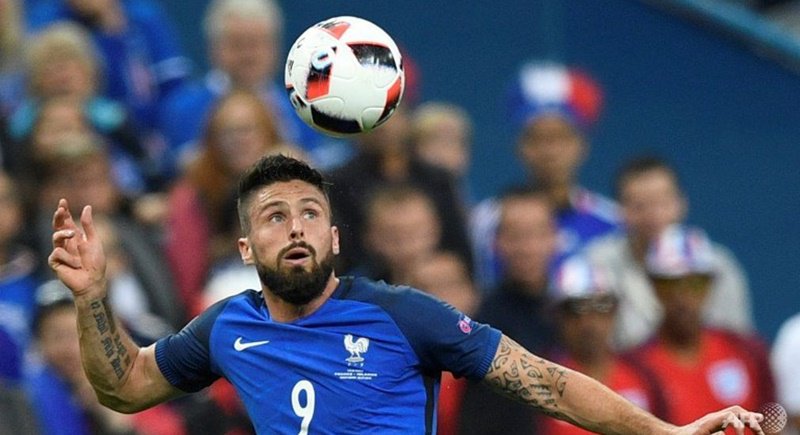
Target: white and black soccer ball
(344, 76)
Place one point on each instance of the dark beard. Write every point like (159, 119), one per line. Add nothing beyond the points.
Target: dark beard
(296, 285)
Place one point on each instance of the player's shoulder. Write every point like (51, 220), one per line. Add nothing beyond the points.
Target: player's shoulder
(375, 291)
(399, 301)
(245, 301)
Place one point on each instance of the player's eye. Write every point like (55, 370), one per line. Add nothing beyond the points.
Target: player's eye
(310, 214)
(276, 218)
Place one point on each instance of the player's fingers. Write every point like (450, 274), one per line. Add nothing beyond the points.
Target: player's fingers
(753, 421)
(88, 223)
(60, 257)
(731, 419)
(60, 237)
(747, 419)
(62, 216)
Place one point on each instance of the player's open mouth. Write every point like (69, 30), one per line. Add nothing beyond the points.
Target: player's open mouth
(297, 255)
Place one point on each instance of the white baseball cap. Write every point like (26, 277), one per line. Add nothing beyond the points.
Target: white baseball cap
(680, 251)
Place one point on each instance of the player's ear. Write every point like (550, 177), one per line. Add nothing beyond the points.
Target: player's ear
(245, 251)
(335, 240)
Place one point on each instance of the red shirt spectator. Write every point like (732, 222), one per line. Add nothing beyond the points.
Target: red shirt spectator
(727, 370)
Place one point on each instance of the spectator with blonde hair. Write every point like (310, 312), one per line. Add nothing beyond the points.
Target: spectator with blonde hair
(12, 37)
(141, 61)
(442, 136)
(63, 66)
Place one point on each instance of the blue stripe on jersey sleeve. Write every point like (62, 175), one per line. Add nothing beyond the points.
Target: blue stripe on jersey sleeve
(443, 338)
(184, 358)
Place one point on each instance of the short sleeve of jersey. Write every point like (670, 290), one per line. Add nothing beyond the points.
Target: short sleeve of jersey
(443, 338)
(185, 358)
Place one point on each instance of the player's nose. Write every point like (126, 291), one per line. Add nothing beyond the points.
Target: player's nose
(296, 230)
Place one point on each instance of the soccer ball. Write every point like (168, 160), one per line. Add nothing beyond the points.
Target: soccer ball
(344, 76)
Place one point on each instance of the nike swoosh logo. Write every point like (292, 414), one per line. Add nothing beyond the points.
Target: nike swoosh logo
(239, 346)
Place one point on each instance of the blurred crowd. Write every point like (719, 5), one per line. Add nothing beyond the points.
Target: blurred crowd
(99, 104)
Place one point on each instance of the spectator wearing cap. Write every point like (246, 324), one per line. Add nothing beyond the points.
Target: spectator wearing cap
(584, 305)
(60, 392)
(698, 367)
(553, 108)
(651, 199)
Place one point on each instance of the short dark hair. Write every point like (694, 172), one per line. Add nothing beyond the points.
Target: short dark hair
(270, 169)
(642, 165)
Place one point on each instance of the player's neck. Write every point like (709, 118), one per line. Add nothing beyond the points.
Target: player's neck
(285, 312)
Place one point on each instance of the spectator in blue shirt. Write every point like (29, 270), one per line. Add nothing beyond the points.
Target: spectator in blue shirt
(552, 107)
(244, 38)
(142, 61)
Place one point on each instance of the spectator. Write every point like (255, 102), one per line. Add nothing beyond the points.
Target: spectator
(202, 204)
(12, 37)
(526, 242)
(699, 368)
(18, 281)
(402, 229)
(141, 60)
(243, 37)
(63, 66)
(552, 108)
(16, 414)
(442, 136)
(651, 200)
(785, 361)
(385, 156)
(585, 307)
(80, 168)
(63, 398)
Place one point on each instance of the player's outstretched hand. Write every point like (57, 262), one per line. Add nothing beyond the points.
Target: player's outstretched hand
(77, 258)
(715, 423)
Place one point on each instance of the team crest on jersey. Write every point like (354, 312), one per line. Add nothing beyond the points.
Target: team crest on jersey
(465, 324)
(729, 381)
(357, 347)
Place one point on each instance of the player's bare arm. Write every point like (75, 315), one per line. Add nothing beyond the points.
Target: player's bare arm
(572, 396)
(125, 377)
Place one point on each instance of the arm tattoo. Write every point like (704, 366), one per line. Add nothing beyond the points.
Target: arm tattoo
(524, 377)
(114, 350)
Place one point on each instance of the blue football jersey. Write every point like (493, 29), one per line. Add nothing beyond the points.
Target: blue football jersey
(367, 361)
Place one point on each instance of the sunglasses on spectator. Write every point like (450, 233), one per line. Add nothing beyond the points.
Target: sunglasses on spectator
(605, 304)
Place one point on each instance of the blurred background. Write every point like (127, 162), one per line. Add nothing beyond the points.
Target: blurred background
(713, 86)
